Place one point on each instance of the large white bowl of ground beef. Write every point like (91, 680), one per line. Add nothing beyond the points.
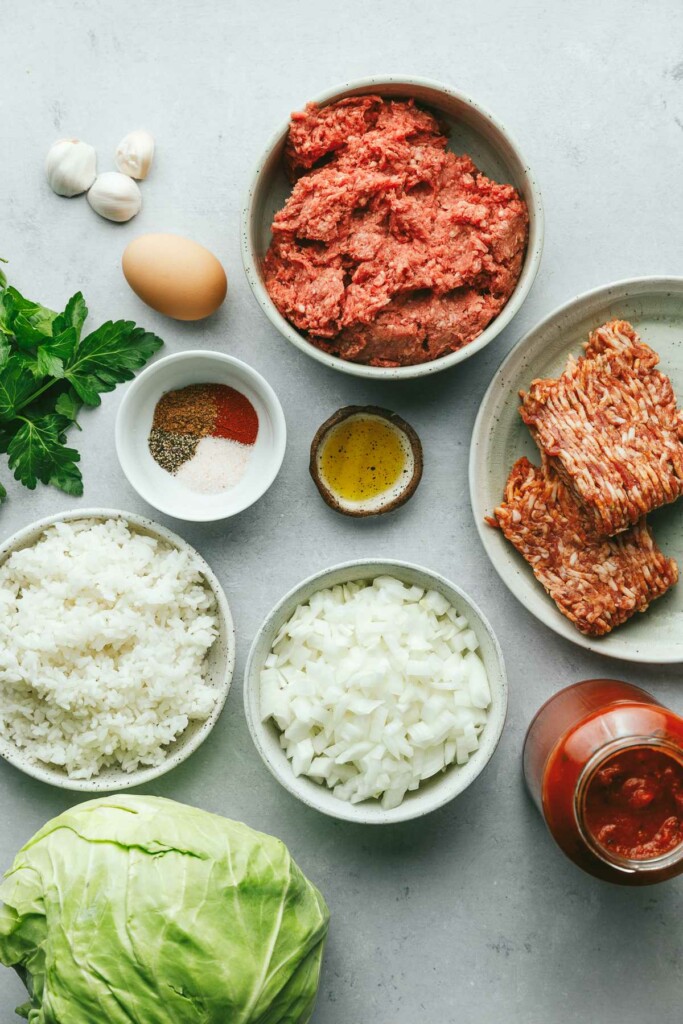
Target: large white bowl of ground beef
(392, 228)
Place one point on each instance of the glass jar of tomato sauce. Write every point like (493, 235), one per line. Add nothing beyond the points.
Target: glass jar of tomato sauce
(603, 761)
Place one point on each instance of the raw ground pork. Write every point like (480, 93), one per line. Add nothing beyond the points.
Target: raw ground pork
(610, 426)
(597, 582)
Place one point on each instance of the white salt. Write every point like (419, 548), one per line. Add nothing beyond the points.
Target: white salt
(217, 465)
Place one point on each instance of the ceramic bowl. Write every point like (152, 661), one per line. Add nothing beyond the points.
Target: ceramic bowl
(433, 793)
(134, 422)
(472, 130)
(220, 663)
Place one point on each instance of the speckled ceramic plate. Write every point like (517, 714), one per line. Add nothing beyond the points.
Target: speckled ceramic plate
(219, 666)
(655, 308)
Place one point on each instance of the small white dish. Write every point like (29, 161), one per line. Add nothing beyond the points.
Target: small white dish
(472, 130)
(654, 306)
(220, 664)
(433, 793)
(160, 488)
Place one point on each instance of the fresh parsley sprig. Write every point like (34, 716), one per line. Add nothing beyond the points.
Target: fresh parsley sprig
(47, 372)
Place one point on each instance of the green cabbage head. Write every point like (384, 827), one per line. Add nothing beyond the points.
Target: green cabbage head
(138, 910)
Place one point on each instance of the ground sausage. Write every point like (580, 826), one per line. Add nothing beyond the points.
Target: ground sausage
(597, 582)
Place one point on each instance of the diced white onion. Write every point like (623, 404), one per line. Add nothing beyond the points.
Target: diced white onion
(376, 687)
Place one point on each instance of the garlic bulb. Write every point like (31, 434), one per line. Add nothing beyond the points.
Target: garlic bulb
(115, 196)
(71, 167)
(135, 153)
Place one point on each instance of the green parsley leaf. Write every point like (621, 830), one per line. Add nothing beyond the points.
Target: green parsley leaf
(16, 387)
(68, 405)
(47, 372)
(38, 452)
(3, 494)
(109, 356)
(68, 478)
(46, 364)
(51, 355)
(30, 322)
(26, 335)
(74, 315)
(5, 350)
(4, 313)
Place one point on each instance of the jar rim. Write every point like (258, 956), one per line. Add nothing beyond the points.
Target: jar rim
(626, 865)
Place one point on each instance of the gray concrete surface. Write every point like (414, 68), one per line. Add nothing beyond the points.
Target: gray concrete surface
(472, 914)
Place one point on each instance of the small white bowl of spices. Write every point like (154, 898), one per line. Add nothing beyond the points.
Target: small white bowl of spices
(200, 435)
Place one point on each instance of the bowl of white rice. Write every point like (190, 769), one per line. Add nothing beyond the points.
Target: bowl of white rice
(117, 650)
(375, 691)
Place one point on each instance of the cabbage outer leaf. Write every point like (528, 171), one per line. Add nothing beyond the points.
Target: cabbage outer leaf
(140, 910)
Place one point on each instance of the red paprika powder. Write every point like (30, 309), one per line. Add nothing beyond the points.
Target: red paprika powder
(236, 417)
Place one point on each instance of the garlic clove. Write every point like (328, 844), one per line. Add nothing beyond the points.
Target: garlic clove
(115, 196)
(135, 153)
(71, 167)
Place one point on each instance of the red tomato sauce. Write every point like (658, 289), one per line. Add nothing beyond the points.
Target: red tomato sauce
(632, 816)
(634, 803)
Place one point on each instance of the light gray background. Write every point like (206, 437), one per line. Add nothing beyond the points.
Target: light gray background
(471, 914)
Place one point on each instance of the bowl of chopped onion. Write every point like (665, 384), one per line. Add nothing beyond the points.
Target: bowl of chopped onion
(375, 691)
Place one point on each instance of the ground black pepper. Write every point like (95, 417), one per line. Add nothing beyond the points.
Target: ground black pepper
(171, 450)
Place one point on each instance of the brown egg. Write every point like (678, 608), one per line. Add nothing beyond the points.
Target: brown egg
(175, 276)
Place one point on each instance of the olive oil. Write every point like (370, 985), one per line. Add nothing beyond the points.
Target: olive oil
(362, 457)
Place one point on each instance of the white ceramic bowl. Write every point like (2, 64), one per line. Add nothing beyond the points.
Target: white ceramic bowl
(220, 664)
(433, 793)
(134, 422)
(472, 130)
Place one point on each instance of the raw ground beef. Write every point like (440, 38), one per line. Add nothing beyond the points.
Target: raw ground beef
(611, 428)
(597, 582)
(391, 250)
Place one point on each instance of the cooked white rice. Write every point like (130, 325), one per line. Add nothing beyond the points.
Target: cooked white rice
(103, 638)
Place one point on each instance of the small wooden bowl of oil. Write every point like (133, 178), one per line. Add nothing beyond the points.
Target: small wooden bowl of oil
(366, 461)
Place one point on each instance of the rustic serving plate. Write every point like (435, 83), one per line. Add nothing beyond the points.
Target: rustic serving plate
(654, 305)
